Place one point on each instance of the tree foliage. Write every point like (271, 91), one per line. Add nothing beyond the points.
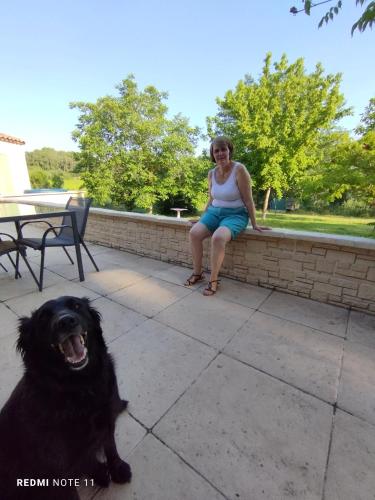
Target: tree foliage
(367, 19)
(51, 160)
(131, 153)
(345, 169)
(367, 119)
(40, 178)
(275, 122)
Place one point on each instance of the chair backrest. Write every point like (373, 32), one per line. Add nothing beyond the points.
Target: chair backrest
(81, 208)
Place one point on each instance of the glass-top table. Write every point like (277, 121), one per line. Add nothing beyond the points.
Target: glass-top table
(10, 212)
(17, 212)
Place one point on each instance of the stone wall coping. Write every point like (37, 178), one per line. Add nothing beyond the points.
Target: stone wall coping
(311, 236)
(329, 239)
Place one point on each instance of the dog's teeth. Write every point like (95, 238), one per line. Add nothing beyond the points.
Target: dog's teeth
(61, 349)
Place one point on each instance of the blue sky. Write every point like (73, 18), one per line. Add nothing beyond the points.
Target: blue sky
(54, 52)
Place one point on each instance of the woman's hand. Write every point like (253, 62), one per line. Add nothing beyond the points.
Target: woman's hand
(262, 228)
(193, 221)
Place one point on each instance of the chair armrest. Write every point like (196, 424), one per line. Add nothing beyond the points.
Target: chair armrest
(20, 236)
(52, 228)
(33, 221)
(9, 236)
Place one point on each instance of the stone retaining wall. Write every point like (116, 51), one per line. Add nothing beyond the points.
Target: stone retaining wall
(327, 268)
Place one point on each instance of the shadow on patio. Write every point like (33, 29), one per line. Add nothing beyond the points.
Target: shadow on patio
(250, 394)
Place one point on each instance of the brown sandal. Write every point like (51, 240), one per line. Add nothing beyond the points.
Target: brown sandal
(208, 291)
(194, 278)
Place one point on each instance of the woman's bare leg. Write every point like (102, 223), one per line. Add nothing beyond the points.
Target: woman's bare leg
(198, 233)
(218, 243)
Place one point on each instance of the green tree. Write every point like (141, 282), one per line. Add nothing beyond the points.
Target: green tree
(367, 18)
(367, 119)
(51, 160)
(39, 179)
(345, 169)
(57, 180)
(275, 122)
(130, 152)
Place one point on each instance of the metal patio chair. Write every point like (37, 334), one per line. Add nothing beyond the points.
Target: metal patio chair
(11, 245)
(62, 234)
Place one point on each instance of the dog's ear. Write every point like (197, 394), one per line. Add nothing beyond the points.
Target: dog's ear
(95, 314)
(25, 329)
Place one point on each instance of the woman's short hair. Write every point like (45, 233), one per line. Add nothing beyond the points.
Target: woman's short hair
(221, 141)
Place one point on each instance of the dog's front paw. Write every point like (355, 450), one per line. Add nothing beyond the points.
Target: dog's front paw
(101, 475)
(120, 472)
(123, 404)
(120, 406)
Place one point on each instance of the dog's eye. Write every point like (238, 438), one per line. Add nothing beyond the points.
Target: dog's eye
(77, 306)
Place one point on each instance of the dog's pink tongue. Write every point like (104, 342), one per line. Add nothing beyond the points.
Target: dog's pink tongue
(73, 347)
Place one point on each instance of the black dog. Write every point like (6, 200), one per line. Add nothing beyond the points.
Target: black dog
(62, 413)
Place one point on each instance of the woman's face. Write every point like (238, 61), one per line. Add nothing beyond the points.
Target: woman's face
(221, 154)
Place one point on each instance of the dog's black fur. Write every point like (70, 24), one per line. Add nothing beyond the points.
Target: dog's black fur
(62, 413)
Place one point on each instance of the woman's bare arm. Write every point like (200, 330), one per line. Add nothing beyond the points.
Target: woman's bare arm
(244, 185)
(209, 190)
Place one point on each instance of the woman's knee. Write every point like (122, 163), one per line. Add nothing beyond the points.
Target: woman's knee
(221, 236)
(198, 233)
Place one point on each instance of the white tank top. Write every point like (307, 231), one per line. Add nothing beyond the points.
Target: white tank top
(226, 195)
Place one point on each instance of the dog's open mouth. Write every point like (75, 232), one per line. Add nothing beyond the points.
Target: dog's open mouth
(74, 350)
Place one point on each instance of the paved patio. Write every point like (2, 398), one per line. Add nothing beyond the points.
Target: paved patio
(250, 394)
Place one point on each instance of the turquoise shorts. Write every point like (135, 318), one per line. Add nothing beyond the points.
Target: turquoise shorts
(235, 219)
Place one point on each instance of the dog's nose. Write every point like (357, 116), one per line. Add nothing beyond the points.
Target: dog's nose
(67, 321)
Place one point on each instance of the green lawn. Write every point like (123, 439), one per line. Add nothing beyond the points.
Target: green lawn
(348, 226)
(72, 183)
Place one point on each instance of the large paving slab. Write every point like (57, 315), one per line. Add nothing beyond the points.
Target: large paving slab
(297, 354)
(128, 435)
(324, 317)
(361, 328)
(116, 319)
(356, 389)
(124, 259)
(12, 288)
(154, 366)
(158, 474)
(351, 465)
(249, 435)
(146, 266)
(149, 296)
(108, 281)
(60, 264)
(11, 366)
(209, 319)
(10, 375)
(25, 304)
(150, 267)
(9, 356)
(242, 293)
(96, 249)
(175, 274)
(9, 321)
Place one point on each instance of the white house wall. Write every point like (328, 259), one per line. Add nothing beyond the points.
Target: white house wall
(14, 176)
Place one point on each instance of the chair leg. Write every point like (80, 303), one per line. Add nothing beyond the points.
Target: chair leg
(69, 257)
(23, 255)
(5, 269)
(41, 268)
(15, 265)
(89, 254)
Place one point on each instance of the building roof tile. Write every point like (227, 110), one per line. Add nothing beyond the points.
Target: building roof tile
(9, 138)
